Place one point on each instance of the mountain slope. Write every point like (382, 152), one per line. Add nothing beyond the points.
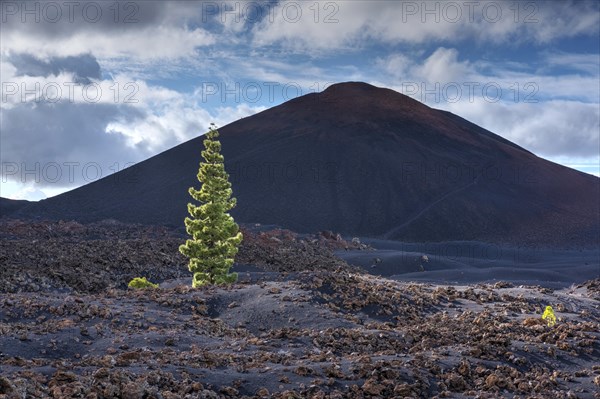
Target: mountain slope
(8, 206)
(360, 160)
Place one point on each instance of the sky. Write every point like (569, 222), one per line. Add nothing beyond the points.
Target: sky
(91, 87)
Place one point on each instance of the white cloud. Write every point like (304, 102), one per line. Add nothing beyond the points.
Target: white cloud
(557, 128)
(179, 121)
(443, 65)
(302, 26)
(88, 139)
(149, 43)
(132, 30)
(175, 42)
(65, 87)
(550, 115)
(564, 19)
(28, 191)
(586, 63)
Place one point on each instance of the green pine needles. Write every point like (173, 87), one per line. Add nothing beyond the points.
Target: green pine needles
(215, 237)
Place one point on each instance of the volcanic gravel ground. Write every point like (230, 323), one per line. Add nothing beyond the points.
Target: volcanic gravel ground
(333, 332)
(94, 257)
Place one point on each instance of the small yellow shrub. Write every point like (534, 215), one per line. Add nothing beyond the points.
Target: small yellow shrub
(549, 316)
(141, 282)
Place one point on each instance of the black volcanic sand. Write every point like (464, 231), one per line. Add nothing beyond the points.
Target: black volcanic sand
(473, 262)
(300, 323)
(69, 256)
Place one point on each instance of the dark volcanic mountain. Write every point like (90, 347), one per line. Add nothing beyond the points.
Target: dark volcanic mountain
(8, 206)
(359, 160)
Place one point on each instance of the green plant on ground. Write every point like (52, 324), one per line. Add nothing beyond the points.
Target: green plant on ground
(215, 237)
(141, 282)
(549, 316)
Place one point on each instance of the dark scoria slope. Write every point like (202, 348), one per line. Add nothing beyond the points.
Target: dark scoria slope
(8, 206)
(360, 160)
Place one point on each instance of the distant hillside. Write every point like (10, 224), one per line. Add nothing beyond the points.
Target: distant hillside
(8, 206)
(364, 161)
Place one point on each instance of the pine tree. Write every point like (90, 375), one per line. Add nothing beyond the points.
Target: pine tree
(215, 237)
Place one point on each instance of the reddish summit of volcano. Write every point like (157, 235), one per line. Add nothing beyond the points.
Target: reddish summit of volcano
(363, 161)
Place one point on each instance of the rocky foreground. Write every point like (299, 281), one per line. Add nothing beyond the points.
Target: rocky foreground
(300, 323)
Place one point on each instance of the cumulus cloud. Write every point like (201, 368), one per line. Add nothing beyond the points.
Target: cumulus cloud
(134, 30)
(75, 135)
(442, 65)
(149, 43)
(551, 115)
(564, 19)
(554, 129)
(503, 80)
(582, 63)
(84, 67)
(175, 123)
(58, 133)
(319, 26)
(87, 141)
(149, 60)
(26, 191)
